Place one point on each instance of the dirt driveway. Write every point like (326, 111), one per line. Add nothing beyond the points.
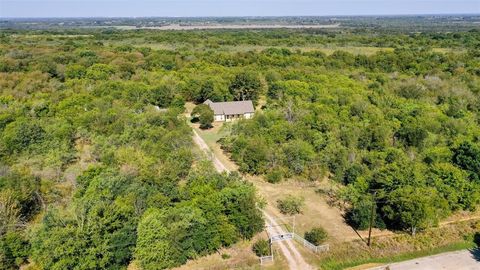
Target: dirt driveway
(288, 248)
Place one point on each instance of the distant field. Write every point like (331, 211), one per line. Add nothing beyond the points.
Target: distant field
(228, 26)
(245, 48)
(328, 50)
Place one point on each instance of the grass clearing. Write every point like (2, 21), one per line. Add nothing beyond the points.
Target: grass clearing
(400, 247)
(316, 211)
(372, 262)
(347, 250)
(240, 256)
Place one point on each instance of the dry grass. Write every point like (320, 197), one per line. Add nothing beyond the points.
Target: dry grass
(399, 247)
(365, 266)
(240, 257)
(347, 247)
(316, 212)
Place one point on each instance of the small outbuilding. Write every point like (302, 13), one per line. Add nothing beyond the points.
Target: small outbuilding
(228, 111)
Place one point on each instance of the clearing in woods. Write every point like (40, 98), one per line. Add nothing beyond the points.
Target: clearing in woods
(288, 248)
(317, 212)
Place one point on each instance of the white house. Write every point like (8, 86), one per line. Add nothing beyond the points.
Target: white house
(228, 111)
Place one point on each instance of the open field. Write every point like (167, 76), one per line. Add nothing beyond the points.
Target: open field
(328, 50)
(228, 26)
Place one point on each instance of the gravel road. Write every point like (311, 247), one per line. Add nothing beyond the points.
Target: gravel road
(457, 260)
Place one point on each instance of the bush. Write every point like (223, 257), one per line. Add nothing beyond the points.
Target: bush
(274, 176)
(261, 248)
(291, 205)
(226, 256)
(14, 250)
(20, 134)
(316, 236)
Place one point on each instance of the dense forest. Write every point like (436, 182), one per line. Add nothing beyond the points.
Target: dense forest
(397, 129)
(98, 167)
(93, 175)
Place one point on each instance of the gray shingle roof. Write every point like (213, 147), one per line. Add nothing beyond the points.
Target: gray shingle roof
(231, 107)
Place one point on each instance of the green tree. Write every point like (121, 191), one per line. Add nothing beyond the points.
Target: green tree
(75, 71)
(14, 250)
(208, 91)
(204, 114)
(359, 216)
(291, 205)
(241, 210)
(19, 135)
(414, 208)
(261, 248)
(161, 96)
(467, 157)
(455, 186)
(155, 249)
(412, 133)
(100, 72)
(246, 86)
(316, 236)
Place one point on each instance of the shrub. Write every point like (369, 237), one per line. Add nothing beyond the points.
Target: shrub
(291, 205)
(316, 236)
(274, 176)
(14, 250)
(226, 256)
(18, 135)
(261, 248)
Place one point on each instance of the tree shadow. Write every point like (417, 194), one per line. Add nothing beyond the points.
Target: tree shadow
(195, 119)
(348, 220)
(361, 238)
(475, 253)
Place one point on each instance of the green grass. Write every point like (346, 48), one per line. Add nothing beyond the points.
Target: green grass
(212, 136)
(334, 264)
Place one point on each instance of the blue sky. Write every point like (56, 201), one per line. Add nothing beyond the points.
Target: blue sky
(173, 8)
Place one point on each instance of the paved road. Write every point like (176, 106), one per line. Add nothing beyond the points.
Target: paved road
(457, 260)
(294, 258)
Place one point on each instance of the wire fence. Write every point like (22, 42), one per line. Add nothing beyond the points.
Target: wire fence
(312, 247)
(266, 259)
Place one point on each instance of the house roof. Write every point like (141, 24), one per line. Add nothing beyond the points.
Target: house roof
(231, 107)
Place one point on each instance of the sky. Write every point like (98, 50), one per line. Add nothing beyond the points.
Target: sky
(199, 8)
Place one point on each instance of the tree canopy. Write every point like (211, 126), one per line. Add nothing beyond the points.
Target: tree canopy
(96, 155)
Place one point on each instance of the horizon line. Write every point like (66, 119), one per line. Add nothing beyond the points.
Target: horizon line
(249, 16)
